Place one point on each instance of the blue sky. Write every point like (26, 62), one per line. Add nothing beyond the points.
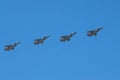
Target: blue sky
(83, 58)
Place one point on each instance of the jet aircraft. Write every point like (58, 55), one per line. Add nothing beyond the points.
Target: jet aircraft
(11, 46)
(41, 40)
(67, 37)
(94, 32)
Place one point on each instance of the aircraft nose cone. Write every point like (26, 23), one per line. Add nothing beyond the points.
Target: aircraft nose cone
(35, 42)
(6, 48)
(89, 34)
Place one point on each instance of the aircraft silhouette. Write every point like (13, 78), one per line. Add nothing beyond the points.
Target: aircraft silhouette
(11, 46)
(67, 37)
(94, 32)
(41, 40)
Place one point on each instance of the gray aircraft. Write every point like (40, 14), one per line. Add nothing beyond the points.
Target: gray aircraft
(94, 32)
(67, 37)
(41, 40)
(11, 46)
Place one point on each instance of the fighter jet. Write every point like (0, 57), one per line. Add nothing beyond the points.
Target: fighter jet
(67, 37)
(94, 32)
(11, 46)
(41, 40)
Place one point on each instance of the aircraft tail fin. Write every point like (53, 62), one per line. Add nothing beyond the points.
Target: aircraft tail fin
(16, 43)
(72, 34)
(100, 28)
(46, 37)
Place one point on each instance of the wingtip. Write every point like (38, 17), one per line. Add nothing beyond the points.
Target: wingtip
(101, 27)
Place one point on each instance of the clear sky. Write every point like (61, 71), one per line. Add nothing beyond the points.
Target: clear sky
(83, 58)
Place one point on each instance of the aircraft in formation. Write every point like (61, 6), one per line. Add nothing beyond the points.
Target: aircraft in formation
(67, 37)
(94, 32)
(11, 46)
(41, 40)
(64, 38)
